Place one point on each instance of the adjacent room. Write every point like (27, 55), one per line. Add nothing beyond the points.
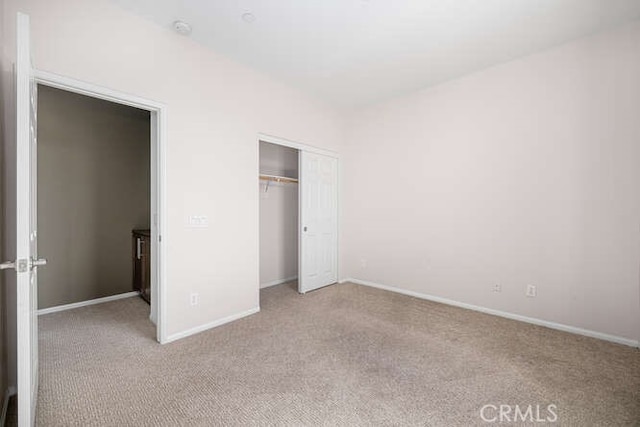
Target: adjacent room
(93, 199)
(347, 212)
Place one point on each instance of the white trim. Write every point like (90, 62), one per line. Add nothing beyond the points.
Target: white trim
(292, 144)
(161, 205)
(277, 282)
(159, 138)
(95, 91)
(211, 325)
(300, 182)
(10, 391)
(338, 221)
(86, 303)
(512, 316)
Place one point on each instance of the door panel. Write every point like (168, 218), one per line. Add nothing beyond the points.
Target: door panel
(26, 227)
(318, 221)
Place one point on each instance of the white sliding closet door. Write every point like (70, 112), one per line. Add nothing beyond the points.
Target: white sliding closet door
(318, 197)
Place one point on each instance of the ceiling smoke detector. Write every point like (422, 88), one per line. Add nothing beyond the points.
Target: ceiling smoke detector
(248, 17)
(182, 27)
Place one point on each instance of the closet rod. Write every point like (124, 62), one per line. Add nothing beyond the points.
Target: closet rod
(278, 178)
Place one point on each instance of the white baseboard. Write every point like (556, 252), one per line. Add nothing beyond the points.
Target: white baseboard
(85, 303)
(211, 325)
(10, 391)
(512, 316)
(278, 282)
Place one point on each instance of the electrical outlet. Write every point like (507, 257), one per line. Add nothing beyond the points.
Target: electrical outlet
(193, 298)
(497, 287)
(531, 291)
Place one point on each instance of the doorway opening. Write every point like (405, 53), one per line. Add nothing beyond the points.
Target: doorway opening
(93, 191)
(100, 197)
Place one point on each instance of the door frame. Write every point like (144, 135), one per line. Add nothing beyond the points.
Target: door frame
(262, 137)
(158, 136)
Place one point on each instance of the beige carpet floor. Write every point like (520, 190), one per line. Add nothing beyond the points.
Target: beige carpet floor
(342, 355)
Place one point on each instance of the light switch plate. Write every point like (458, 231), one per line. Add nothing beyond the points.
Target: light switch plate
(198, 221)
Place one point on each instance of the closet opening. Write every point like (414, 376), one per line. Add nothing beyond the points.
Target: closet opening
(298, 215)
(278, 185)
(97, 210)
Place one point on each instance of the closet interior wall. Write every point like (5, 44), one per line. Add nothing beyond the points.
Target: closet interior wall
(278, 215)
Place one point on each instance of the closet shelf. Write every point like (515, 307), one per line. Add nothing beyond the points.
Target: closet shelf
(276, 178)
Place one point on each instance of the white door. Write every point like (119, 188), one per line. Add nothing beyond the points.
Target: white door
(318, 221)
(26, 259)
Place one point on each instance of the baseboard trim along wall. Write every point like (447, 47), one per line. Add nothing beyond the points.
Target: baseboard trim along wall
(211, 325)
(85, 303)
(5, 404)
(277, 282)
(512, 316)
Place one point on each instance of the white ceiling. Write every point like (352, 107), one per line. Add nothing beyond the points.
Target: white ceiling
(355, 52)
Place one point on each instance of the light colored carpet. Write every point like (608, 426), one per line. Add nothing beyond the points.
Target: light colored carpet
(342, 355)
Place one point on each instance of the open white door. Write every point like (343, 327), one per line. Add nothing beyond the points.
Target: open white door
(26, 258)
(318, 197)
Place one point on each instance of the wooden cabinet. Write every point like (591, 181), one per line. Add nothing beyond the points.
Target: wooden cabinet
(141, 244)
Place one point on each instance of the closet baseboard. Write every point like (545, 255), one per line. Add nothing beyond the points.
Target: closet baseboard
(85, 303)
(278, 282)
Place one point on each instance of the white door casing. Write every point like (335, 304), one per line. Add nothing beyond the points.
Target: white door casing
(318, 197)
(158, 131)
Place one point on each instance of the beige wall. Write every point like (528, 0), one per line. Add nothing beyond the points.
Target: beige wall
(525, 173)
(278, 216)
(93, 189)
